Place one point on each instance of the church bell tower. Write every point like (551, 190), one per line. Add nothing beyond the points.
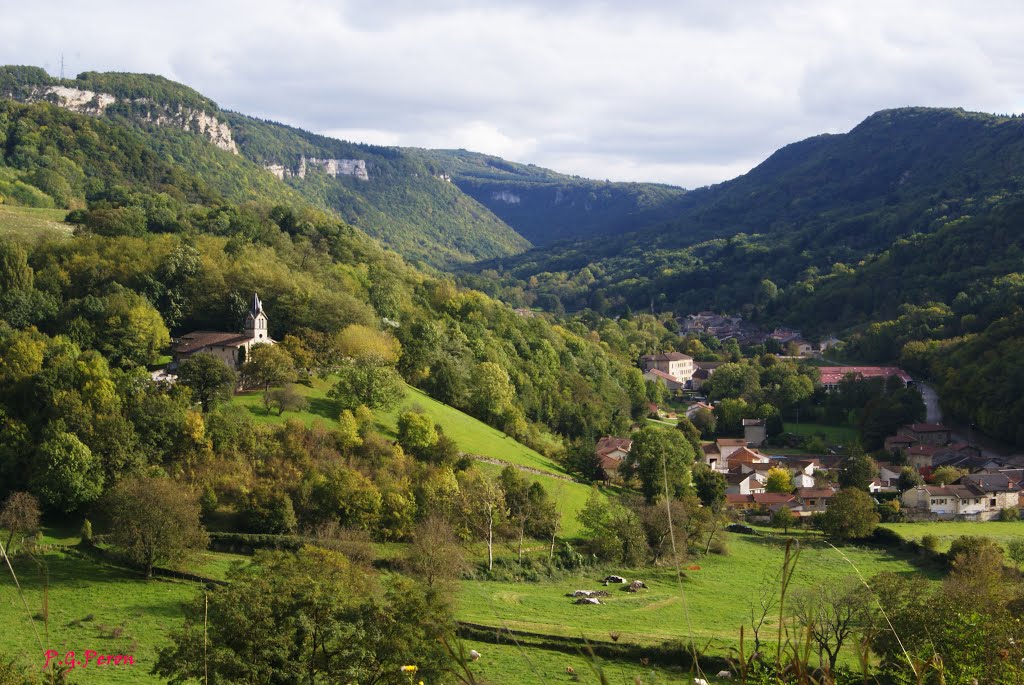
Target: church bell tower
(255, 326)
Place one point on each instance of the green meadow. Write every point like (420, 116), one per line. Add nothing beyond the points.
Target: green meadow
(710, 604)
(948, 531)
(29, 225)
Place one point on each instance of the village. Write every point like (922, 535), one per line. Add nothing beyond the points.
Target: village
(923, 473)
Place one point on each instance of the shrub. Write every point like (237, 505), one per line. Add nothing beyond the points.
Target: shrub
(1009, 514)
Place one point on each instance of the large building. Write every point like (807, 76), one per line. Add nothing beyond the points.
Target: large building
(831, 376)
(676, 364)
(231, 348)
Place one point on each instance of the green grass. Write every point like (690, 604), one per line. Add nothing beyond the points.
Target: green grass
(145, 612)
(715, 602)
(508, 663)
(833, 435)
(29, 225)
(947, 531)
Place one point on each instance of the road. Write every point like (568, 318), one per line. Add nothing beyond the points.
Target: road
(931, 403)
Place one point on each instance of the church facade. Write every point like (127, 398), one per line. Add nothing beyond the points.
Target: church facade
(231, 348)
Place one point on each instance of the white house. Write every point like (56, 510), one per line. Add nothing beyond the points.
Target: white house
(231, 348)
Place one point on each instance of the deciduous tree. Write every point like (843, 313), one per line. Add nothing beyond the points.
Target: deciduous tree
(153, 521)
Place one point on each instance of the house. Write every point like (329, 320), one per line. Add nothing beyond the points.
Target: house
(927, 433)
(831, 376)
(755, 431)
(921, 456)
(231, 348)
(801, 347)
(726, 446)
(888, 474)
(896, 444)
(742, 483)
(676, 364)
(829, 342)
(659, 376)
(743, 455)
(702, 371)
(611, 452)
(772, 501)
(692, 410)
(815, 499)
(979, 497)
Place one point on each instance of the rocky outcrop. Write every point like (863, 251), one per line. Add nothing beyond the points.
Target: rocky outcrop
(506, 196)
(195, 121)
(77, 100)
(96, 104)
(331, 167)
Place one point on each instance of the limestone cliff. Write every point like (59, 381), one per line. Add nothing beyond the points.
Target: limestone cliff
(331, 167)
(97, 104)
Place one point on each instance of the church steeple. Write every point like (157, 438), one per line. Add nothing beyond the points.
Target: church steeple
(255, 325)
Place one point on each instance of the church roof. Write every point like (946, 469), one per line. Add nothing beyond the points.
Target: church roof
(255, 308)
(193, 342)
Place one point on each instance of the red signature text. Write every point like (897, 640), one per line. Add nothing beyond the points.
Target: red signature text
(91, 657)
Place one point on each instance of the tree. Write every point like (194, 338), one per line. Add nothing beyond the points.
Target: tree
(704, 420)
(783, 518)
(211, 380)
(909, 478)
(15, 272)
(363, 383)
(153, 521)
(310, 617)
(482, 507)
(285, 399)
(830, 613)
(492, 392)
(946, 475)
(661, 460)
(19, 516)
(131, 331)
(779, 480)
(851, 514)
(710, 485)
(692, 433)
(435, 555)
(858, 470)
(1015, 550)
(267, 366)
(69, 475)
(416, 432)
(267, 510)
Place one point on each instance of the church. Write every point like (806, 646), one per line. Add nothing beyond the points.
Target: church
(231, 348)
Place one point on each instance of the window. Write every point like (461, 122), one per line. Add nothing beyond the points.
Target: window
(992, 502)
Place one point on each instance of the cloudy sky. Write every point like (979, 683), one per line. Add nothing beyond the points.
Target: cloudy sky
(689, 92)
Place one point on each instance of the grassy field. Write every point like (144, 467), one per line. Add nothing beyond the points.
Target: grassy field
(507, 663)
(947, 531)
(833, 435)
(91, 607)
(24, 223)
(714, 603)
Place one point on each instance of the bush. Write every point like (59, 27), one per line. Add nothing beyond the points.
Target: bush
(930, 542)
(1009, 514)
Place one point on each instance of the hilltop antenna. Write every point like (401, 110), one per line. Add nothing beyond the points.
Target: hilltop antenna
(62, 65)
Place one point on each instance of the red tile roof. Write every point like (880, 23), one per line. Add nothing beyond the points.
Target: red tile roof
(831, 375)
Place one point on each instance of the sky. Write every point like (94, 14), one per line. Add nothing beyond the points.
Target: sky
(687, 92)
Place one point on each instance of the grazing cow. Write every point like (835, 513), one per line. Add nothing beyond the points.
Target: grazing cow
(474, 655)
(724, 675)
(699, 681)
(570, 670)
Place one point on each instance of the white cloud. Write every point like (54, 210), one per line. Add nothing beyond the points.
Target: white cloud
(686, 92)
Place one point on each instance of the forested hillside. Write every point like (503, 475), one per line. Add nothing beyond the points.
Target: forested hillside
(159, 248)
(826, 201)
(545, 206)
(400, 201)
(906, 234)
